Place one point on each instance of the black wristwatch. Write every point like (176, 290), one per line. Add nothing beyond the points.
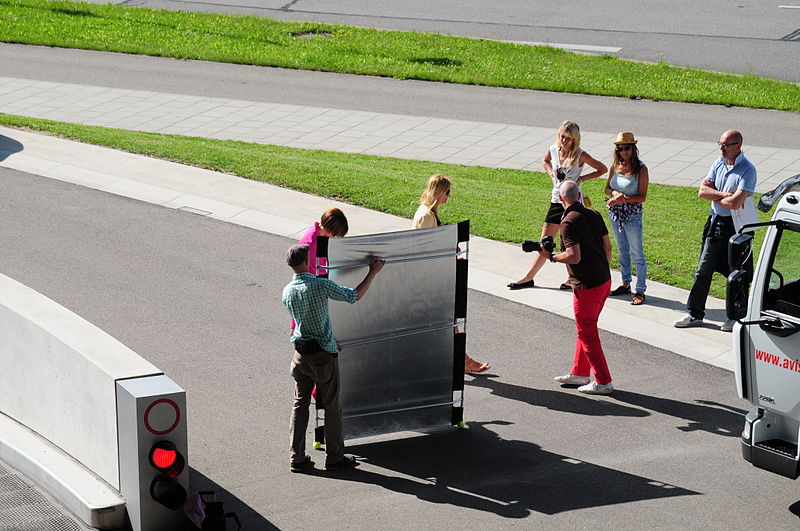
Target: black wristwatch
(552, 257)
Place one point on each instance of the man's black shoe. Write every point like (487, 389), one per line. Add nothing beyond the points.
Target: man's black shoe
(346, 462)
(303, 466)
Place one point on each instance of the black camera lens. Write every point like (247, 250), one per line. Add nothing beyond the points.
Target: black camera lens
(529, 246)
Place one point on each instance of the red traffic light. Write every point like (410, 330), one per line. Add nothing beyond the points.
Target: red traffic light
(165, 489)
(165, 457)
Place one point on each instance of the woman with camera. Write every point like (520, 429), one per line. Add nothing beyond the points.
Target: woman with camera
(436, 193)
(563, 162)
(627, 185)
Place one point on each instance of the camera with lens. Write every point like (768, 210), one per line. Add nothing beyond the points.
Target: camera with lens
(547, 244)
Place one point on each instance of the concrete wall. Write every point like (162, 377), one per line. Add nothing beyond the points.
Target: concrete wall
(58, 374)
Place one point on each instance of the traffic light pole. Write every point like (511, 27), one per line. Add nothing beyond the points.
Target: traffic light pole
(153, 453)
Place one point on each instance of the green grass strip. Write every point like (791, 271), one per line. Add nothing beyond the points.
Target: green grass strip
(399, 54)
(502, 204)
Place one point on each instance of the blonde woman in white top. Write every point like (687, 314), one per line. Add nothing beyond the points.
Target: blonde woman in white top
(436, 193)
(564, 161)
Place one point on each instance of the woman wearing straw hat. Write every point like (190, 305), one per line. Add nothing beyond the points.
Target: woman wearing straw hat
(627, 183)
(564, 161)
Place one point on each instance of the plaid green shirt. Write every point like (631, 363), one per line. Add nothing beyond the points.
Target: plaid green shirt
(306, 300)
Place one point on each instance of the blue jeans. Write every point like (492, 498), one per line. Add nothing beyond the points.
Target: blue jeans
(629, 245)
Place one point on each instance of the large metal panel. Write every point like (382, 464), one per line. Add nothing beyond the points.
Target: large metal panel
(415, 289)
(384, 377)
(397, 358)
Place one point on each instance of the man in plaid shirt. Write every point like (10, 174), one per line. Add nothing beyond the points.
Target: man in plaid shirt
(314, 361)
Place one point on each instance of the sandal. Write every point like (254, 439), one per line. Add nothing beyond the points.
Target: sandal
(472, 367)
(565, 286)
(519, 285)
(620, 290)
(638, 299)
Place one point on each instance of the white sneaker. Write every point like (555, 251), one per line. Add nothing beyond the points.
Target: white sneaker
(727, 326)
(687, 321)
(595, 388)
(572, 379)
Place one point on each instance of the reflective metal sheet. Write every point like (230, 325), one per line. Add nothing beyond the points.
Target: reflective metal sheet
(397, 361)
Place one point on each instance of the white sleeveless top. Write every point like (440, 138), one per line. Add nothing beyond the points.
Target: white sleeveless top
(571, 173)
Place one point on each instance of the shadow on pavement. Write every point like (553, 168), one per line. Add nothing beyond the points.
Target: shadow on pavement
(703, 415)
(556, 400)
(8, 146)
(659, 302)
(476, 469)
(249, 518)
(680, 308)
(795, 509)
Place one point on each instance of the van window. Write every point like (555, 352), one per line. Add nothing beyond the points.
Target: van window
(783, 291)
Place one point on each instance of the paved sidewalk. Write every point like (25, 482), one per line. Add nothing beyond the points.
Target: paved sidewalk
(288, 213)
(675, 162)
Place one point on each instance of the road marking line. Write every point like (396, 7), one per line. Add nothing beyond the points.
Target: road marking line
(788, 7)
(578, 47)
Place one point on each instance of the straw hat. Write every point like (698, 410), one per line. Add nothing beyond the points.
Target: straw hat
(625, 138)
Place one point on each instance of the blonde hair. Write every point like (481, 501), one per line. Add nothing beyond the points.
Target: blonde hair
(437, 184)
(571, 129)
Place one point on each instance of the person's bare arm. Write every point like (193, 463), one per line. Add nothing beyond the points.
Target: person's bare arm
(709, 192)
(548, 167)
(734, 201)
(599, 167)
(571, 256)
(608, 190)
(374, 267)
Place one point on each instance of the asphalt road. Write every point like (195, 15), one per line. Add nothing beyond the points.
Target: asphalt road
(420, 98)
(747, 36)
(200, 299)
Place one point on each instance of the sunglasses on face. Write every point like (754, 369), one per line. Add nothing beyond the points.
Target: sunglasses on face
(728, 144)
(624, 148)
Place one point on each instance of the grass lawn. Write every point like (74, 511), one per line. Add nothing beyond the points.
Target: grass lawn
(507, 205)
(404, 55)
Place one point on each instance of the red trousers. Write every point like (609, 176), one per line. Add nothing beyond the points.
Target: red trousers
(587, 305)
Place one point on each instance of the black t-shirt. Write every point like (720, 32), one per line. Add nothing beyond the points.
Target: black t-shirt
(585, 227)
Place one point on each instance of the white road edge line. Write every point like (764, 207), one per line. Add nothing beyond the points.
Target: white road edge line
(578, 47)
(788, 7)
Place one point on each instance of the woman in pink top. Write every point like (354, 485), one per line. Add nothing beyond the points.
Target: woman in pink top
(333, 224)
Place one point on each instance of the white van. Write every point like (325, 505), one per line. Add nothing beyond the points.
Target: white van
(766, 342)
